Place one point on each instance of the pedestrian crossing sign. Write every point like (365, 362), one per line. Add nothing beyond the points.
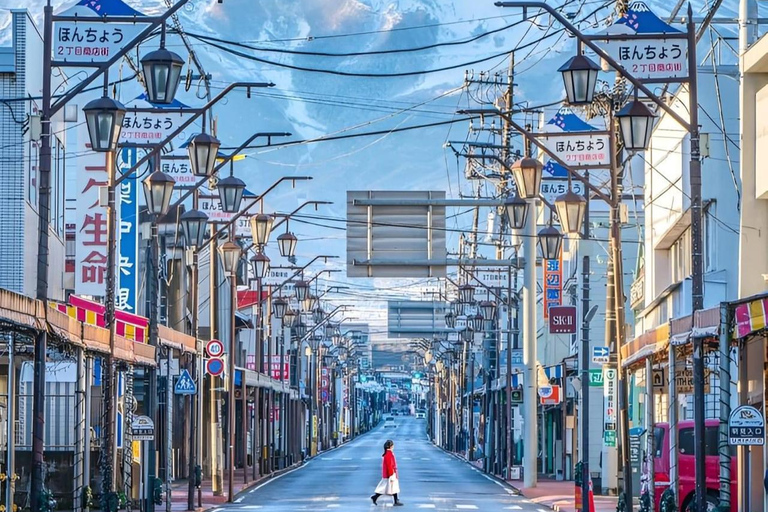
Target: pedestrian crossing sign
(185, 385)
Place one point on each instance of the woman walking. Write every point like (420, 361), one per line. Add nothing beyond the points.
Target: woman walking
(389, 483)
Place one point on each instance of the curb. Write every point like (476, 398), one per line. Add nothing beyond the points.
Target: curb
(489, 475)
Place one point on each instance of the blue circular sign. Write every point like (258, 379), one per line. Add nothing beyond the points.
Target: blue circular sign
(214, 366)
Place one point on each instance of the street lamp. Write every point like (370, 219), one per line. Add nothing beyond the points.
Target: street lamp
(261, 227)
(193, 223)
(466, 293)
(162, 72)
(330, 329)
(475, 322)
(456, 308)
(636, 125)
(550, 241)
(450, 320)
(230, 255)
(202, 150)
(290, 316)
(260, 265)
(579, 78)
(230, 193)
(280, 309)
(527, 173)
(104, 118)
(318, 314)
(516, 210)
(488, 309)
(302, 289)
(158, 188)
(287, 244)
(571, 208)
(309, 302)
(301, 328)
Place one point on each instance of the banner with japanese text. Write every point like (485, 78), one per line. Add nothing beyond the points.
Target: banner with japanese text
(553, 283)
(128, 233)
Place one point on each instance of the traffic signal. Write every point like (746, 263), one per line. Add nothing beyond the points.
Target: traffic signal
(517, 396)
(157, 491)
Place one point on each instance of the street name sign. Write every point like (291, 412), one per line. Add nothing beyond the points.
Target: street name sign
(185, 385)
(142, 428)
(746, 427)
(600, 355)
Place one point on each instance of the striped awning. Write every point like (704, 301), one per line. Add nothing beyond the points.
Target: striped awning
(750, 317)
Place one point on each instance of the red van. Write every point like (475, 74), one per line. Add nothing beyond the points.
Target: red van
(686, 462)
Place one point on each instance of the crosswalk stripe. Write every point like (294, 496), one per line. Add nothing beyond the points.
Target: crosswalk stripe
(467, 507)
(427, 505)
(250, 507)
(514, 507)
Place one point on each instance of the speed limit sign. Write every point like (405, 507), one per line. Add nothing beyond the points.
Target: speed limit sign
(214, 348)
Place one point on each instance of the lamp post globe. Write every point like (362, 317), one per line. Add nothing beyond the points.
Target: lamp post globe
(302, 289)
(301, 328)
(527, 173)
(456, 307)
(193, 223)
(466, 293)
(475, 322)
(579, 79)
(230, 193)
(550, 242)
(571, 208)
(230, 255)
(261, 227)
(450, 320)
(203, 150)
(260, 265)
(516, 211)
(286, 243)
(162, 73)
(635, 125)
(279, 308)
(158, 189)
(290, 316)
(309, 302)
(104, 118)
(330, 329)
(318, 314)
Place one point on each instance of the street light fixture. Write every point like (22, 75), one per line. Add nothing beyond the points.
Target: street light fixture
(309, 302)
(301, 328)
(260, 265)
(466, 293)
(318, 314)
(203, 149)
(579, 78)
(516, 210)
(104, 118)
(280, 309)
(230, 255)
(550, 242)
(230, 193)
(290, 316)
(571, 208)
(527, 173)
(450, 320)
(302, 289)
(456, 308)
(475, 322)
(488, 309)
(158, 189)
(636, 125)
(261, 227)
(287, 244)
(193, 223)
(162, 73)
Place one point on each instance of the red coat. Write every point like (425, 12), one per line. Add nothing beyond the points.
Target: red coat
(388, 465)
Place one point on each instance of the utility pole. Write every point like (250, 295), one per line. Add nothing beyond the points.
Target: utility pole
(585, 388)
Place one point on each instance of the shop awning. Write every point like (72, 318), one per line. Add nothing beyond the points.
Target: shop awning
(636, 350)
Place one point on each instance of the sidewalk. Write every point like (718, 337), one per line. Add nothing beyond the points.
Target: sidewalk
(559, 496)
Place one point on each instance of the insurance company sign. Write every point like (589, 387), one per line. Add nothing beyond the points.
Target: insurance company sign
(746, 427)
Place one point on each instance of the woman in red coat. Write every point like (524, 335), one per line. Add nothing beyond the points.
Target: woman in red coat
(389, 483)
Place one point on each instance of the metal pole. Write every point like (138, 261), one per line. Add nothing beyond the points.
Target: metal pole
(87, 429)
(471, 407)
(10, 465)
(168, 429)
(697, 272)
(152, 395)
(529, 350)
(725, 409)
(508, 383)
(38, 402)
(195, 405)
(216, 382)
(231, 377)
(585, 374)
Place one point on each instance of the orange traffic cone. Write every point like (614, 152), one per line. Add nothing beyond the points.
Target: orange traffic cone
(591, 496)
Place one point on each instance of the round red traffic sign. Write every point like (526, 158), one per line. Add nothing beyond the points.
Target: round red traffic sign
(214, 367)
(214, 348)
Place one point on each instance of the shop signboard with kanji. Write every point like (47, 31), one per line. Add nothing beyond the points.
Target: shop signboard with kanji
(277, 370)
(553, 283)
(94, 41)
(91, 223)
(148, 128)
(610, 404)
(128, 233)
(577, 143)
(651, 59)
(176, 164)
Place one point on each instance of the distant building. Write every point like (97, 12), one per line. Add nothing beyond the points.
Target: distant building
(21, 87)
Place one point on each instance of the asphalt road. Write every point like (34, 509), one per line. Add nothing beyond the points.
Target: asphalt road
(343, 479)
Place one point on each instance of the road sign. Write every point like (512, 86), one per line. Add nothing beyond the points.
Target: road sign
(142, 428)
(596, 378)
(214, 367)
(562, 319)
(185, 385)
(600, 355)
(610, 438)
(553, 398)
(214, 348)
(545, 391)
(658, 378)
(746, 427)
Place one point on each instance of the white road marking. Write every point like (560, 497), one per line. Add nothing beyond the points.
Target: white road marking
(251, 507)
(333, 505)
(272, 480)
(514, 507)
(239, 500)
(346, 458)
(467, 507)
(407, 458)
(425, 458)
(427, 505)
